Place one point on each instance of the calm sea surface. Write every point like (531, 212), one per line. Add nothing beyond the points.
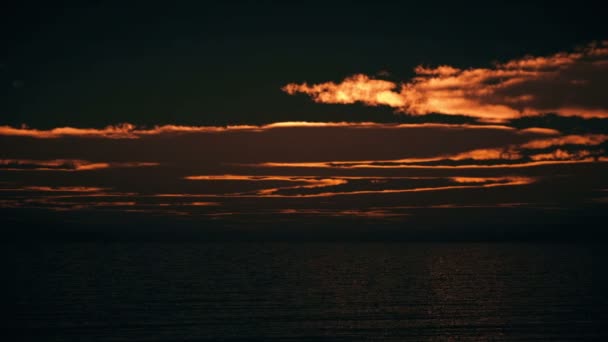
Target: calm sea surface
(307, 291)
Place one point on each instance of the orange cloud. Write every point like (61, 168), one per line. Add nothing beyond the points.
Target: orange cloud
(587, 140)
(129, 131)
(564, 83)
(560, 154)
(327, 187)
(399, 165)
(204, 204)
(511, 156)
(357, 88)
(308, 182)
(77, 189)
(64, 165)
(490, 183)
(120, 131)
(478, 154)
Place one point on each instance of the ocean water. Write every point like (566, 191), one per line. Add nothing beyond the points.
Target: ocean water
(127, 291)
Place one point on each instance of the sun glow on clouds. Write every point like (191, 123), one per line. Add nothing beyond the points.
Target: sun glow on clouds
(586, 140)
(83, 198)
(65, 165)
(77, 189)
(528, 154)
(130, 131)
(353, 169)
(329, 187)
(566, 83)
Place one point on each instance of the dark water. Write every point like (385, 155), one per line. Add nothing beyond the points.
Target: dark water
(303, 291)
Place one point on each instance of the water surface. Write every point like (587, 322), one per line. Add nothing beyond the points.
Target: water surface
(126, 291)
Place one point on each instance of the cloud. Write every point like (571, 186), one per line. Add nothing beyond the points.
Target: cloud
(64, 165)
(306, 182)
(357, 88)
(130, 131)
(448, 164)
(69, 189)
(341, 169)
(70, 198)
(370, 213)
(560, 154)
(120, 131)
(532, 153)
(566, 83)
(312, 186)
(587, 140)
(66, 198)
(563, 124)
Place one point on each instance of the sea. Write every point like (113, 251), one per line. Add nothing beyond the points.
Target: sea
(305, 291)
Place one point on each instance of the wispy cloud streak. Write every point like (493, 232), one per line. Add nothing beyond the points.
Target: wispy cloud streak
(311, 186)
(65, 165)
(536, 152)
(130, 131)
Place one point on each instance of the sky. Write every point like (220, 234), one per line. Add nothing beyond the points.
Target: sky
(362, 120)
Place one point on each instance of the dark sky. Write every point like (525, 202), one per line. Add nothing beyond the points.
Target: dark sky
(95, 63)
(420, 120)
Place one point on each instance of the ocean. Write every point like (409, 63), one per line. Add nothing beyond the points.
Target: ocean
(289, 291)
